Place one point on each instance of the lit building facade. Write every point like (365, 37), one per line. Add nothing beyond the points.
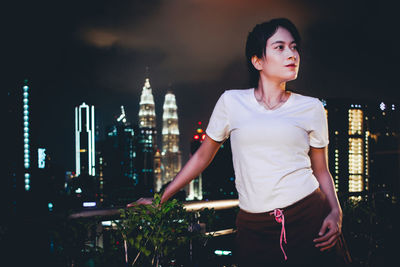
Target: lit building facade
(100, 175)
(158, 170)
(358, 150)
(348, 150)
(26, 121)
(145, 161)
(16, 186)
(171, 154)
(147, 140)
(364, 148)
(147, 112)
(85, 150)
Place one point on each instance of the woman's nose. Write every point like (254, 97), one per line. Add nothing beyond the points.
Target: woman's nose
(292, 55)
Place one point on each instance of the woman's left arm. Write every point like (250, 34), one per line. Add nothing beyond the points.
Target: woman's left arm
(332, 225)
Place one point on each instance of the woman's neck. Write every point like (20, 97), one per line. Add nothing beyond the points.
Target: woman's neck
(270, 91)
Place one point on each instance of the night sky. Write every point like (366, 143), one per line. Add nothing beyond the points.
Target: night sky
(97, 52)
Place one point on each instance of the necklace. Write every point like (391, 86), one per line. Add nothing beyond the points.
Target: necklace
(274, 106)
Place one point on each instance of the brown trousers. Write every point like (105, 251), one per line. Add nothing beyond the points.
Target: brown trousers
(258, 236)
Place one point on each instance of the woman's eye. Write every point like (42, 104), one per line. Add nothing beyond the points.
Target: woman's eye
(280, 47)
(294, 47)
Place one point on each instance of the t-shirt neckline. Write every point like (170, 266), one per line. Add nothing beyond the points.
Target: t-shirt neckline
(253, 97)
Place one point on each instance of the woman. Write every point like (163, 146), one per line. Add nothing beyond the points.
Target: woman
(289, 211)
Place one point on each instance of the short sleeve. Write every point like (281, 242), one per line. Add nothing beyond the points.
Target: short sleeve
(218, 125)
(319, 136)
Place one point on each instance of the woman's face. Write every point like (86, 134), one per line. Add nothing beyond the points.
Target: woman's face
(281, 60)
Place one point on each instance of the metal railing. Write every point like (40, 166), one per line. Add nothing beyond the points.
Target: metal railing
(191, 206)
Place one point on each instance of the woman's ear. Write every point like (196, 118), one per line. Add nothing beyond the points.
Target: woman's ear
(257, 62)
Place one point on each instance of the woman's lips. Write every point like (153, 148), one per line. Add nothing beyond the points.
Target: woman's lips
(291, 66)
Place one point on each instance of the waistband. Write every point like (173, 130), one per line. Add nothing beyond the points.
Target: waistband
(314, 196)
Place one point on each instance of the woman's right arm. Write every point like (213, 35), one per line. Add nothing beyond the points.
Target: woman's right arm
(196, 164)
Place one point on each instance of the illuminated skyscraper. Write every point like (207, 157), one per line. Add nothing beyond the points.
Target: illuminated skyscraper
(358, 150)
(349, 146)
(171, 155)
(147, 112)
(158, 170)
(147, 140)
(27, 157)
(85, 160)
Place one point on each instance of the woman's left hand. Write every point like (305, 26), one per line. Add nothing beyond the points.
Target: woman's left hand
(330, 231)
(141, 201)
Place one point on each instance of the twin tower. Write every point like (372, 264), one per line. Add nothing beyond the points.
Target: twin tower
(130, 152)
(165, 163)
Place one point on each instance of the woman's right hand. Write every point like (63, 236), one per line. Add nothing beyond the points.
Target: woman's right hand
(141, 201)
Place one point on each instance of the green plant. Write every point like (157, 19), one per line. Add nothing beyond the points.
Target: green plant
(156, 232)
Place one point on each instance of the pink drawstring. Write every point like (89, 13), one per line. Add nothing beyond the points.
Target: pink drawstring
(280, 218)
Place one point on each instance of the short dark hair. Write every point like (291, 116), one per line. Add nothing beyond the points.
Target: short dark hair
(257, 41)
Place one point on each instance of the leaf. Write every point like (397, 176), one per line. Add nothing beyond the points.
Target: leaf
(139, 238)
(146, 252)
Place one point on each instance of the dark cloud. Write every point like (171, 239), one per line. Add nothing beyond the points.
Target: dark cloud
(199, 38)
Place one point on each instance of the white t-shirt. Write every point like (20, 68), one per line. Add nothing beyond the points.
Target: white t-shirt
(270, 147)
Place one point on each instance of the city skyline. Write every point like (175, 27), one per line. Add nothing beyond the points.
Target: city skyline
(60, 55)
(99, 56)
